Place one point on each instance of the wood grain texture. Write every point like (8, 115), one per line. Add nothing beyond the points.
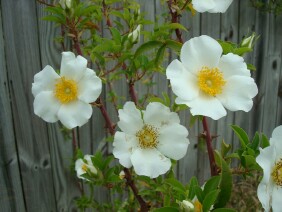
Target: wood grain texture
(35, 159)
(23, 61)
(11, 191)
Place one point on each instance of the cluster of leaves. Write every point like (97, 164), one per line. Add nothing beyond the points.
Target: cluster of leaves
(274, 6)
(247, 153)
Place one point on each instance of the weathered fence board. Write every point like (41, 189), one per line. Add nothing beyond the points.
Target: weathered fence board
(35, 158)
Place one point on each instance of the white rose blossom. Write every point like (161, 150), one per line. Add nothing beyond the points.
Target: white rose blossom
(270, 159)
(66, 97)
(84, 165)
(149, 139)
(208, 82)
(211, 6)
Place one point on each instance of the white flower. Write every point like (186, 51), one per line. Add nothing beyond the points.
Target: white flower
(66, 97)
(186, 206)
(207, 82)
(135, 35)
(270, 160)
(149, 139)
(65, 3)
(84, 165)
(211, 6)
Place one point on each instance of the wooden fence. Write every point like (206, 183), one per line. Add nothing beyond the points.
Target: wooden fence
(35, 158)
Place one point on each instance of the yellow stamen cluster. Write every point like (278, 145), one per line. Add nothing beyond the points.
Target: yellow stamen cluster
(84, 167)
(277, 173)
(148, 137)
(66, 90)
(198, 206)
(211, 81)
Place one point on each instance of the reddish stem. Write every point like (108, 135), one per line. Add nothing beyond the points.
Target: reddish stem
(213, 167)
(74, 143)
(106, 116)
(130, 182)
(175, 18)
(132, 92)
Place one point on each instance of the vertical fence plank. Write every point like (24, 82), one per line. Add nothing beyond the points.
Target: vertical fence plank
(66, 185)
(22, 56)
(11, 191)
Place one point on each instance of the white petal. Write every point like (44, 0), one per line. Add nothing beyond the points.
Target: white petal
(173, 141)
(45, 80)
(78, 168)
(183, 83)
(150, 162)
(220, 6)
(264, 193)
(231, 65)
(158, 115)
(74, 114)
(73, 67)
(205, 105)
(238, 92)
(124, 145)
(276, 199)
(130, 118)
(266, 160)
(203, 5)
(89, 87)
(199, 52)
(46, 106)
(275, 140)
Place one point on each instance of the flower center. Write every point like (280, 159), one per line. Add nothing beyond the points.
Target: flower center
(211, 81)
(66, 90)
(147, 137)
(84, 167)
(198, 206)
(277, 173)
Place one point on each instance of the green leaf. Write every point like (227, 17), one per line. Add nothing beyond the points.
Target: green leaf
(176, 46)
(175, 184)
(160, 55)
(173, 26)
(193, 182)
(241, 134)
(116, 35)
(264, 141)
(224, 210)
(211, 185)
(209, 200)
(55, 18)
(225, 148)
(225, 185)
(251, 67)
(199, 193)
(147, 46)
(255, 142)
(166, 209)
(242, 50)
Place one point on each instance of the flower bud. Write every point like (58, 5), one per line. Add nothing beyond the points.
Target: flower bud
(66, 4)
(186, 206)
(135, 35)
(122, 175)
(249, 41)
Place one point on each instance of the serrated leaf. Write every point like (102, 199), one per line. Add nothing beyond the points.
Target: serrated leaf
(209, 200)
(175, 184)
(116, 35)
(173, 26)
(241, 134)
(199, 193)
(55, 18)
(147, 46)
(225, 185)
(241, 51)
(225, 148)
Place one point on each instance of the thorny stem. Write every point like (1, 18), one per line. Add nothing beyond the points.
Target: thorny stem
(213, 166)
(132, 92)
(110, 126)
(109, 23)
(45, 3)
(130, 182)
(175, 18)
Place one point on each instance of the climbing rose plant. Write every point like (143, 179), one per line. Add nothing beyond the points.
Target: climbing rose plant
(148, 138)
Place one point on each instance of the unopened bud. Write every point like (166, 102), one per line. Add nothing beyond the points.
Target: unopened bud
(122, 175)
(65, 3)
(249, 41)
(186, 206)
